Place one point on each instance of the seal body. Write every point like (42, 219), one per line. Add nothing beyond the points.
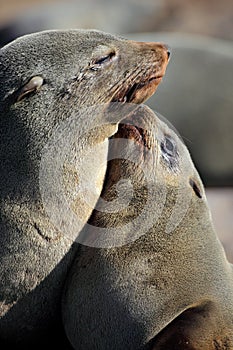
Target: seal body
(166, 287)
(49, 81)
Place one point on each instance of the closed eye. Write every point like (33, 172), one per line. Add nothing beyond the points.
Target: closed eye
(102, 61)
(105, 58)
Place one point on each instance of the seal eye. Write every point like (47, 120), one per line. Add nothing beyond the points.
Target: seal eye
(168, 146)
(102, 61)
(33, 85)
(105, 59)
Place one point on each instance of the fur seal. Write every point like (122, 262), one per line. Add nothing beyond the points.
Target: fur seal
(168, 288)
(47, 78)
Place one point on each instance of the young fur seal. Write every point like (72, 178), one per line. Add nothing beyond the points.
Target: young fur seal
(47, 78)
(168, 288)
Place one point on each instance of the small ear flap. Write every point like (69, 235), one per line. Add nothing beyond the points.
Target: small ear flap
(33, 85)
(195, 188)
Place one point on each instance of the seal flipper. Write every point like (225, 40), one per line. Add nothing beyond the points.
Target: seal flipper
(199, 328)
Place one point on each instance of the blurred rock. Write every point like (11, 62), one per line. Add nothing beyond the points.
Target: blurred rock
(213, 18)
(206, 17)
(115, 17)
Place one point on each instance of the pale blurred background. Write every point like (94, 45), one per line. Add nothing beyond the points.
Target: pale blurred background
(197, 92)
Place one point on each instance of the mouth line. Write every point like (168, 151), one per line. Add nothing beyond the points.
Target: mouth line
(128, 129)
(128, 95)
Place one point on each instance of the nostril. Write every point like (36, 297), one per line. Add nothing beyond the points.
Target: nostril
(169, 51)
(168, 54)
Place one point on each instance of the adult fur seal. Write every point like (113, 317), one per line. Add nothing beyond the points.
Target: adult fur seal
(169, 287)
(47, 78)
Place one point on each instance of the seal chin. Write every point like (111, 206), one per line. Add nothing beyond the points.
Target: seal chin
(144, 90)
(140, 91)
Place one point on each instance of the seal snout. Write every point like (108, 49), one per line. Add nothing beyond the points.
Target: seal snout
(151, 59)
(164, 48)
(154, 47)
(132, 130)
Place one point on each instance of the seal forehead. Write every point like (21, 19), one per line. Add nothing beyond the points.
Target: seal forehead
(49, 43)
(39, 53)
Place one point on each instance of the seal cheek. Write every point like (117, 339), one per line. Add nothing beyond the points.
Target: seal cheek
(146, 90)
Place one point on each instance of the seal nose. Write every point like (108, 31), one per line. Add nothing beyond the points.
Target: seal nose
(167, 50)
